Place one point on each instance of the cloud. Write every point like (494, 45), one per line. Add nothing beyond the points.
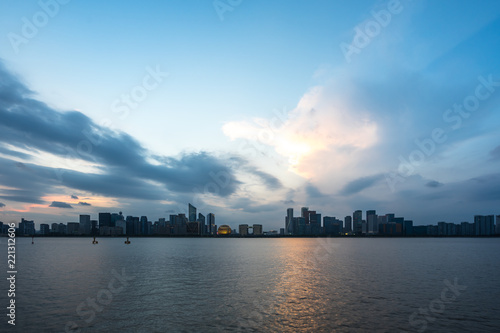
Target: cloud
(71, 150)
(361, 184)
(84, 203)
(313, 192)
(319, 124)
(434, 184)
(495, 153)
(2, 205)
(59, 204)
(288, 202)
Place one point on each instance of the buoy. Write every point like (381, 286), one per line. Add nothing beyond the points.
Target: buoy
(127, 241)
(94, 241)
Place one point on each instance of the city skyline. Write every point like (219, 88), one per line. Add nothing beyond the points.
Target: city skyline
(309, 223)
(382, 105)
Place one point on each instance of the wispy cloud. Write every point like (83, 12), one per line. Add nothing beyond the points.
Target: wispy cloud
(59, 204)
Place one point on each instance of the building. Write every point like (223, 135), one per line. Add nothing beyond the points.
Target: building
(348, 224)
(73, 228)
(201, 221)
(224, 230)
(357, 220)
(289, 221)
(257, 230)
(371, 222)
(243, 229)
(85, 226)
(105, 220)
(123, 225)
(44, 229)
(192, 213)
(26, 227)
(483, 225)
(211, 224)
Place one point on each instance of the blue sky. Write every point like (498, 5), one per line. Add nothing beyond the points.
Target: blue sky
(246, 108)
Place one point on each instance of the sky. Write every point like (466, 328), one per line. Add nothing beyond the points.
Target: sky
(246, 108)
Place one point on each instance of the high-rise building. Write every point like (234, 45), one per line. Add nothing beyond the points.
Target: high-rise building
(93, 227)
(85, 224)
(44, 229)
(73, 228)
(483, 225)
(192, 213)
(201, 221)
(257, 229)
(243, 229)
(304, 212)
(104, 220)
(347, 224)
(211, 224)
(372, 222)
(289, 221)
(357, 222)
(144, 225)
(26, 227)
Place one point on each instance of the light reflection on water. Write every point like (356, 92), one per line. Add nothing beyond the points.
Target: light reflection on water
(259, 285)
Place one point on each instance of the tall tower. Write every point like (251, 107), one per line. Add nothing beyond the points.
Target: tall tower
(289, 221)
(192, 213)
(357, 219)
(211, 224)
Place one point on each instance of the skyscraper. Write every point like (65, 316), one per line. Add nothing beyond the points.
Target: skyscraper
(201, 220)
(211, 224)
(192, 213)
(371, 221)
(104, 220)
(85, 226)
(357, 221)
(289, 221)
(348, 224)
(304, 212)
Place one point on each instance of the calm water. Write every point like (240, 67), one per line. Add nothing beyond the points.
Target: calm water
(256, 285)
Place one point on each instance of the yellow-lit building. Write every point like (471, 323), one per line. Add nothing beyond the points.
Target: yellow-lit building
(224, 230)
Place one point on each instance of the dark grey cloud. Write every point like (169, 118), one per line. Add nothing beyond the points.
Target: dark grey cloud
(2, 205)
(74, 197)
(81, 203)
(361, 184)
(313, 192)
(434, 184)
(31, 125)
(288, 202)
(18, 195)
(59, 204)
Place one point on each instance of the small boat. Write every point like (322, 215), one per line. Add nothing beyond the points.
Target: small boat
(94, 241)
(32, 239)
(127, 241)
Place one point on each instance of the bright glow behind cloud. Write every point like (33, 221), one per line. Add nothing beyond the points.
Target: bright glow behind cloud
(322, 123)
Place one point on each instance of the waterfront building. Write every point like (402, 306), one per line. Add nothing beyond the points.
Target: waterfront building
(85, 224)
(243, 229)
(257, 229)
